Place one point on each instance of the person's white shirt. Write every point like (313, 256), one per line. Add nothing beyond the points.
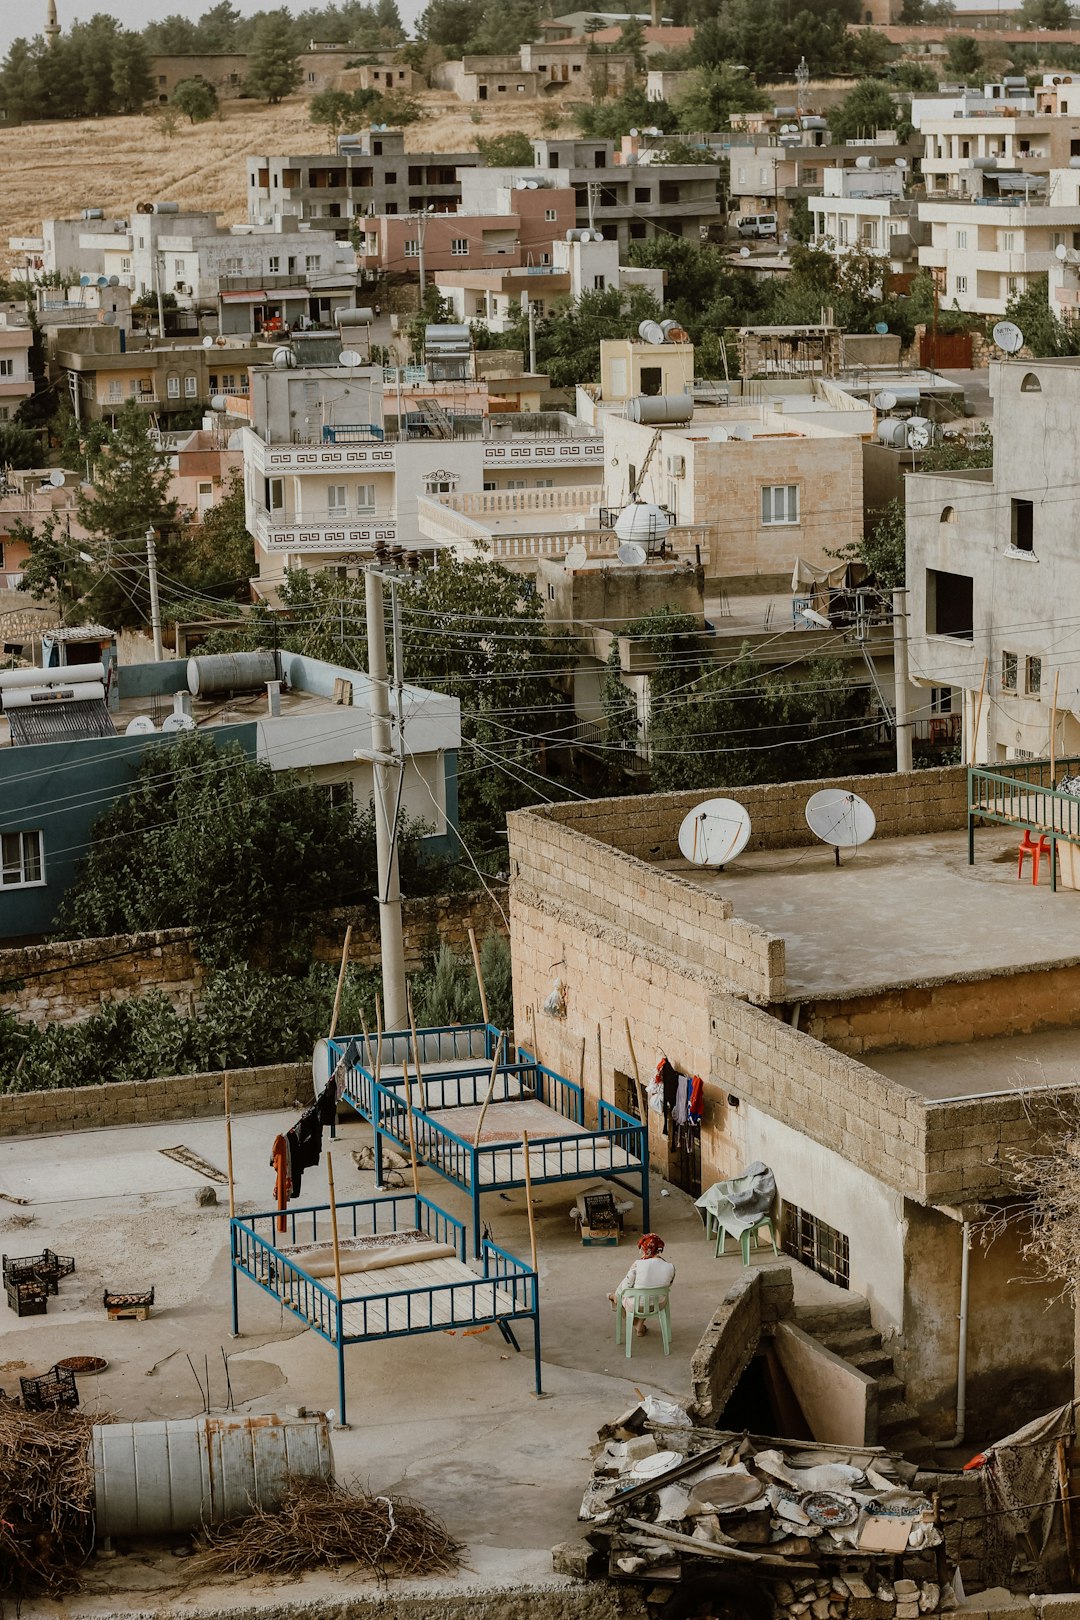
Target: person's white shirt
(654, 1273)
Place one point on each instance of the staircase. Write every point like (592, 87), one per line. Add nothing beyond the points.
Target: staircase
(435, 419)
(847, 1331)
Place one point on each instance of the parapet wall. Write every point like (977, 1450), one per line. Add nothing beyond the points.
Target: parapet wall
(145, 1102)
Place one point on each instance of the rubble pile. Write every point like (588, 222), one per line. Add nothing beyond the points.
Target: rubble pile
(850, 1597)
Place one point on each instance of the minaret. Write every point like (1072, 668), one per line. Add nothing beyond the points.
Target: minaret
(52, 25)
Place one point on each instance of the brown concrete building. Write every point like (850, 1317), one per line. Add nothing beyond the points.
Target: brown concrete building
(885, 1036)
(225, 70)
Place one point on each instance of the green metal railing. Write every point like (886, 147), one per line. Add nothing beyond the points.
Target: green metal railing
(1022, 794)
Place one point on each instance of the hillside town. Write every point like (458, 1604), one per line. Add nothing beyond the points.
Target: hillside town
(535, 644)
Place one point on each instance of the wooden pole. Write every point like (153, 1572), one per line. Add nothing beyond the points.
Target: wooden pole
(228, 1151)
(1053, 728)
(479, 975)
(490, 1089)
(528, 1198)
(581, 1065)
(341, 979)
(378, 1049)
(333, 1221)
(599, 1073)
(416, 1051)
(643, 1104)
(412, 1127)
(535, 1041)
(978, 711)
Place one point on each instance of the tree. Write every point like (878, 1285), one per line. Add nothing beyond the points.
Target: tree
(506, 27)
(865, 110)
(397, 109)
(19, 447)
(713, 94)
(451, 24)
(274, 71)
(218, 556)
(53, 570)
(218, 27)
(882, 550)
(196, 99)
(331, 110)
(174, 35)
(568, 340)
(19, 87)
(632, 41)
(512, 151)
(1053, 14)
(1044, 334)
(128, 497)
(963, 58)
(594, 25)
(166, 120)
(131, 81)
(611, 120)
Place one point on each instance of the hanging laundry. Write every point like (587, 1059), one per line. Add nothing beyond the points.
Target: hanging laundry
(279, 1163)
(695, 1102)
(654, 1095)
(668, 1080)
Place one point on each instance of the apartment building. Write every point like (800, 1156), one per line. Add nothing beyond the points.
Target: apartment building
(16, 342)
(990, 563)
(498, 297)
(370, 174)
(165, 378)
(984, 253)
(1010, 95)
(497, 226)
(631, 201)
(29, 499)
(966, 158)
(773, 173)
(865, 210)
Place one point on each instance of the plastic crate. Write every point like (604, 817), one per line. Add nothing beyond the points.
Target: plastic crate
(128, 1306)
(54, 1389)
(26, 1296)
(46, 1268)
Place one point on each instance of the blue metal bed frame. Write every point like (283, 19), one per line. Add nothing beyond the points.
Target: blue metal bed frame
(383, 1106)
(255, 1255)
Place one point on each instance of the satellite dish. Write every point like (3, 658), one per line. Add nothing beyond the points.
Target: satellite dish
(208, 342)
(177, 722)
(576, 556)
(84, 281)
(901, 164)
(721, 436)
(219, 403)
(840, 818)
(1008, 337)
(1060, 251)
(714, 833)
(56, 478)
(812, 616)
(744, 253)
(632, 554)
(881, 328)
(141, 726)
(918, 438)
(349, 357)
(885, 401)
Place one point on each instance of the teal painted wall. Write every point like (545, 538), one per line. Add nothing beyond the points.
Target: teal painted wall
(62, 788)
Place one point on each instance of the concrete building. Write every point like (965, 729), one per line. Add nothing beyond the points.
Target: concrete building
(962, 101)
(990, 561)
(594, 267)
(984, 253)
(496, 297)
(487, 78)
(371, 173)
(224, 70)
(773, 173)
(309, 723)
(629, 202)
(497, 226)
(866, 211)
(166, 378)
(16, 342)
(30, 499)
(204, 462)
(965, 158)
(336, 67)
(859, 1031)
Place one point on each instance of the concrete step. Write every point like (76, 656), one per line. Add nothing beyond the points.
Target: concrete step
(852, 1342)
(874, 1362)
(822, 1320)
(910, 1443)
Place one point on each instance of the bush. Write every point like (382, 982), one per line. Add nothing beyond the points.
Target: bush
(448, 993)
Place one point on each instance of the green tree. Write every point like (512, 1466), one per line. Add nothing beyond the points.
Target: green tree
(131, 81)
(19, 446)
(713, 94)
(174, 35)
(611, 120)
(451, 24)
(963, 58)
(218, 556)
(866, 109)
(506, 27)
(53, 570)
(882, 550)
(130, 495)
(333, 111)
(632, 42)
(196, 99)
(512, 151)
(218, 27)
(397, 110)
(1053, 14)
(19, 82)
(1043, 333)
(274, 72)
(568, 340)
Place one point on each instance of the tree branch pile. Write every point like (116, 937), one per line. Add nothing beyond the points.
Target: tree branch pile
(46, 1501)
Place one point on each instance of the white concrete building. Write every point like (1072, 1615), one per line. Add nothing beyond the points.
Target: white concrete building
(964, 101)
(865, 210)
(966, 158)
(16, 383)
(984, 253)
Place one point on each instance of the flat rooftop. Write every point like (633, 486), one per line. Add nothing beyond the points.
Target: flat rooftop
(899, 911)
(988, 1068)
(451, 1421)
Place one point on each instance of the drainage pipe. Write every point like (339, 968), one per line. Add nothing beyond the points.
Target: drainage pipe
(961, 1349)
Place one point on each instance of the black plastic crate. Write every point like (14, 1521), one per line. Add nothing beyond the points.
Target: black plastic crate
(46, 1268)
(62, 1264)
(53, 1390)
(26, 1296)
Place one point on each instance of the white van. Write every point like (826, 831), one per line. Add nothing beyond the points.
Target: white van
(757, 225)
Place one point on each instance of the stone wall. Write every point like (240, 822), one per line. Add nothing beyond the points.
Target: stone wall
(730, 1342)
(142, 1102)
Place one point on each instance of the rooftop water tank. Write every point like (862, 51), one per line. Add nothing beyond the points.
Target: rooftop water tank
(891, 430)
(643, 522)
(58, 675)
(656, 410)
(231, 672)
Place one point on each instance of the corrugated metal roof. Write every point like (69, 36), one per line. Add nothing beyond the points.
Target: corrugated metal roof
(61, 722)
(82, 632)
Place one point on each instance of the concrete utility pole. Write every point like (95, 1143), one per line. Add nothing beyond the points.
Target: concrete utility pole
(389, 774)
(900, 674)
(155, 604)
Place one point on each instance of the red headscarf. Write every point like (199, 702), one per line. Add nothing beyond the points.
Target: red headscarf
(651, 1245)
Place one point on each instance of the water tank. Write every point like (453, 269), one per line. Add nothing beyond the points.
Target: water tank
(866, 162)
(651, 332)
(59, 675)
(657, 409)
(93, 213)
(166, 208)
(231, 672)
(32, 697)
(641, 522)
(159, 1478)
(891, 431)
(354, 317)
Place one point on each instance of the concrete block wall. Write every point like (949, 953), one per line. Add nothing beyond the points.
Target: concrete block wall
(142, 1102)
(574, 866)
(970, 1145)
(917, 802)
(752, 1305)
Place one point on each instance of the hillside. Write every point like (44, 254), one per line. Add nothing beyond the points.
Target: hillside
(55, 170)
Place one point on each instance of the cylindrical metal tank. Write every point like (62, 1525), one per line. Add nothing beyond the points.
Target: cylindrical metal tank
(158, 1478)
(866, 162)
(892, 431)
(231, 672)
(60, 675)
(651, 332)
(656, 409)
(32, 697)
(354, 317)
(166, 208)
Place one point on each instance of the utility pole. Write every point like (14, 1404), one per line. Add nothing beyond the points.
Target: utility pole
(155, 275)
(155, 604)
(389, 774)
(900, 675)
(532, 337)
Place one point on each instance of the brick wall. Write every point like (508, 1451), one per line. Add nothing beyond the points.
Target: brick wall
(970, 1144)
(141, 1102)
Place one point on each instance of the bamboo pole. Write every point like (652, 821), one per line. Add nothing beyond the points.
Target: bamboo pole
(643, 1104)
(228, 1151)
(412, 1127)
(416, 1051)
(599, 1073)
(1066, 1507)
(978, 712)
(479, 975)
(490, 1089)
(378, 1049)
(341, 980)
(333, 1221)
(528, 1198)
(1053, 728)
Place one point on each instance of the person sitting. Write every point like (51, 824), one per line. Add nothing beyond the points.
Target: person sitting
(651, 1271)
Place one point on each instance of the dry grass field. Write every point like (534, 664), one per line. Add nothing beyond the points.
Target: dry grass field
(55, 170)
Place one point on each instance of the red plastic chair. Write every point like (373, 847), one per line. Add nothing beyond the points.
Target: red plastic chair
(1036, 851)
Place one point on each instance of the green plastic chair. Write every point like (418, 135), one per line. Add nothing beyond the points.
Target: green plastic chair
(743, 1237)
(648, 1302)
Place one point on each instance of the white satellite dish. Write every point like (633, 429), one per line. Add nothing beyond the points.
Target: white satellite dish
(885, 401)
(1060, 252)
(812, 616)
(141, 726)
(744, 253)
(1008, 337)
(714, 833)
(320, 1066)
(900, 163)
(208, 342)
(178, 722)
(56, 478)
(219, 403)
(918, 438)
(840, 818)
(576, 557)
(632, 554)
(349, 357)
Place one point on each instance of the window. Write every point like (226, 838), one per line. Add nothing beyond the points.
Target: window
(948, 514)
(459, 247)
(642, 194)
(961, 284)
(233, 266)
(961, 239)
(809, 177)
(950, 604)
(339, 793)
(7, 368)
(442, 486)
(550, 214)
(1009, 663)
(1031, 384)
(1032, 676)
(22, 859)
(412, 247)
(274, 264)
(599, 283)
(941, 700)
(365, 497)
(178, 269)
(337, 497)
(125, 266)
(1022, 537)
(390, 177)
(780, 503)
(275, 494)
(821, 1247)
(191, 385)
(172, 387)
(115, 391)
(652, 380)
(1012, 285)
(313, 261)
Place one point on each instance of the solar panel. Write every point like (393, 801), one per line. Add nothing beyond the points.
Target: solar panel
(61, 722)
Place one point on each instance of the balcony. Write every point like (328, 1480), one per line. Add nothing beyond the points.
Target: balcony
(544, 452)
(324, 532)
(1067, 297)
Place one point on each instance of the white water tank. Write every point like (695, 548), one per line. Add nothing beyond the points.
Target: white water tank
(642, 522)
(657, 409)
(231, 672)
(891, 430)
(58, 675)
